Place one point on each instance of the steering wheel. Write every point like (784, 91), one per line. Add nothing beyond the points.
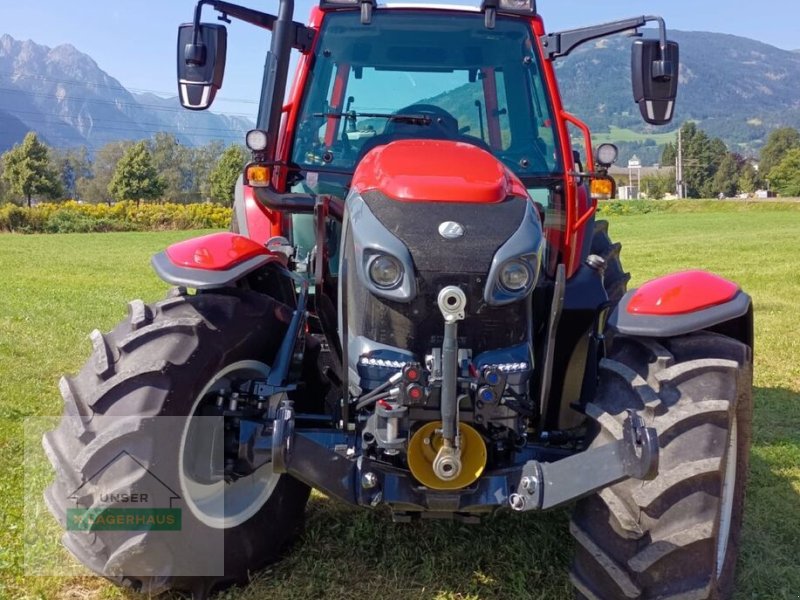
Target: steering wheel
(443, 126)
(442, 122)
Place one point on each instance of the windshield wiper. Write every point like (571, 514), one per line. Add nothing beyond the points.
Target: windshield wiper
(412, 119)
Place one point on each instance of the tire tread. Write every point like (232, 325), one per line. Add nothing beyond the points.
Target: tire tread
(123, 368)
(636, 535)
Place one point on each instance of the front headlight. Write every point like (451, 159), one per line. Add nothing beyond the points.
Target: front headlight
(515, 266)
(385, 271)
(382, 262)
(515, 275)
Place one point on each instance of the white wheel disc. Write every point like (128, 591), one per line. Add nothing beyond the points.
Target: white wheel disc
(219, 504)
(727, 498)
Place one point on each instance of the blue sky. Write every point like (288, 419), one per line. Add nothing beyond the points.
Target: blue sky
(135, 41)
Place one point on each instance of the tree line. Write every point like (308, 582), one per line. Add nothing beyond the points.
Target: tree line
(711, 170)
(158, 169)
(162, 169)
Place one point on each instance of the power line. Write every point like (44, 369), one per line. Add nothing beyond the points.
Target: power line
(116, 103)
(119, 86)
(61, 139)
(226, 135)
(60, 123)
(61, 142)
(53, 120)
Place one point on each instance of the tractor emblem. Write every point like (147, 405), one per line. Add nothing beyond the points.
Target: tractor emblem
(450, 230)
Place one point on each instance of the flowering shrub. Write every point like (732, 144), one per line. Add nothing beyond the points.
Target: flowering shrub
(73, 217)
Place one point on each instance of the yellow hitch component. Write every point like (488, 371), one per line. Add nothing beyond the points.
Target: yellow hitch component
(424, 445)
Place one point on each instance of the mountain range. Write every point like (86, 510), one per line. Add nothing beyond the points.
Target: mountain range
(63, 95)
(735, 88)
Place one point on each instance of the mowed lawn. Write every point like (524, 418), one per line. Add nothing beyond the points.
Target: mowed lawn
(55, 289)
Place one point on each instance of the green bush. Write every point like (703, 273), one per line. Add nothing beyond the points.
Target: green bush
(633, 207)
(12, 218)
(73, 217)
(643, 207)
(67, 221)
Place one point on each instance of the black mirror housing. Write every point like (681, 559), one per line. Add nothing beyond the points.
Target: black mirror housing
(201, 64)
(655, 79)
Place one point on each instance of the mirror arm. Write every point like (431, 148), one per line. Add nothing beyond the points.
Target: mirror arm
(198, 15)
(196, 52)
(248, 15)
(662, 32)
(303, 36)
(662, 69)
(562, 43)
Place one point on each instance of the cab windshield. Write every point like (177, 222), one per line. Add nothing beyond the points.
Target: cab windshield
(423, 74)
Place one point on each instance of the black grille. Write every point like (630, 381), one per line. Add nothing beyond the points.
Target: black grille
(418, 326)
(484, 328)
(487, 226)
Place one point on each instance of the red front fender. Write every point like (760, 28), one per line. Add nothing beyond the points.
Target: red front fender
(211, 261)
(681, 293)
(684, 302)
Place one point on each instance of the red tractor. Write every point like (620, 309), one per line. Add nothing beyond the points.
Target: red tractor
(415, 308)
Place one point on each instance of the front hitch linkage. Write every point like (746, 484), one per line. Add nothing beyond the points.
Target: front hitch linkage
(447, 464)
(547, 485)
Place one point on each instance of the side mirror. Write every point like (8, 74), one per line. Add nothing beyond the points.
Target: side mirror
(201, 64)
(655, 79)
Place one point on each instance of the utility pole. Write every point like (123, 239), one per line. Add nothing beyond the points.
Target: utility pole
(679, 166)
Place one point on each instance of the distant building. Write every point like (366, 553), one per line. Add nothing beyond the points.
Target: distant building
(622, 172)
(629, 180)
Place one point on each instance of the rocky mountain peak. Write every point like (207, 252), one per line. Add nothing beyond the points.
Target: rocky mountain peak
(63, 95)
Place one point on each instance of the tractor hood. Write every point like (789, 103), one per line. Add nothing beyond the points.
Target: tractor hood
(440, 208)
(437, 214)
(436, 171)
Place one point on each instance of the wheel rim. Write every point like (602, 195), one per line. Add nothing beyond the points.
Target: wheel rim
(219, 504)
(728, 493)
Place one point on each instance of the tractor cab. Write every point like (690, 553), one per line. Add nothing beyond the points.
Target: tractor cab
(370, 74)
(417, 74)
(423, 74)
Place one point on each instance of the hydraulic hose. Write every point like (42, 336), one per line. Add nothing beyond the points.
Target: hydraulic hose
(374, 395)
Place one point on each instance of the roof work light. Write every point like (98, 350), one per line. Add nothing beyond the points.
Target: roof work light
(490, 8)
(367, 6)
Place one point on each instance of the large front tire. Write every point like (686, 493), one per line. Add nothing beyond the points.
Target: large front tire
(677, 536)
(158, 364)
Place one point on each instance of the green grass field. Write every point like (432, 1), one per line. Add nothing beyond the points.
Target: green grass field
(55, 289)
(617, 134)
